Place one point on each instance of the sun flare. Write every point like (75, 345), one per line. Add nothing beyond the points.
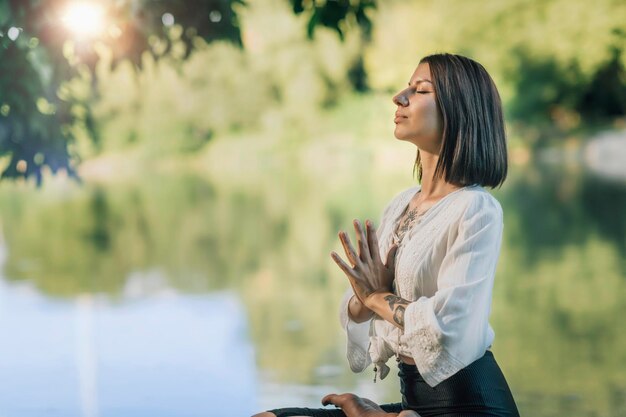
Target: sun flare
(84, 18)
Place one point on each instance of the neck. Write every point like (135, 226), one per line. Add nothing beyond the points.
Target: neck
(433, 186)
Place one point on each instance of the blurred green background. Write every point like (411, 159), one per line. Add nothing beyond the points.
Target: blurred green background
(231, 172)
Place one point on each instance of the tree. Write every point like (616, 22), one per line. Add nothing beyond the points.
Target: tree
(44, 44)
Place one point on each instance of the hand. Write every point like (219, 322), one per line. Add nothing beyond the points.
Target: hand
(368, 274)
(355, 406)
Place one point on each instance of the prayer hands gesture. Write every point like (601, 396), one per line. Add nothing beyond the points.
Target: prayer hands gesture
(368, 274)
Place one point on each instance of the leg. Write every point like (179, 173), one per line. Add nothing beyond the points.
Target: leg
(478, 389)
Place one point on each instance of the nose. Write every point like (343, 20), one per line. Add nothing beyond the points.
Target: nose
(400, 100)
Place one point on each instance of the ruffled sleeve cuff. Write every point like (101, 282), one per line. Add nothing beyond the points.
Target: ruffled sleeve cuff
(424, 341)
(358, 337)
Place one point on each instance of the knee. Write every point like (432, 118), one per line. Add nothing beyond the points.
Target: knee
(265, 414)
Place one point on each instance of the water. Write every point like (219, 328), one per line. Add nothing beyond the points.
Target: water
(215, 295)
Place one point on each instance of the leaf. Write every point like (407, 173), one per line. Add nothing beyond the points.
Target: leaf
(310, 29)
(297, 6)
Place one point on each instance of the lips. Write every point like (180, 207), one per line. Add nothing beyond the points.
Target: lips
(398, 118)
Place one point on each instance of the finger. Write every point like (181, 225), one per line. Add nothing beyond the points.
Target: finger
(347, 247)
(408, 413)
(364, 252)
(344, 267)
(353, 277)
(340, 400)
(330, 399)
(391, 255)
(372, 242)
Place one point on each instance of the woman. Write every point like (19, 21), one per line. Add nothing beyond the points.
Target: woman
(428, 303)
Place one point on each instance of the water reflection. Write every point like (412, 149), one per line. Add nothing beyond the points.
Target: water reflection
(146, 295)
(558, 207)
(159, 355)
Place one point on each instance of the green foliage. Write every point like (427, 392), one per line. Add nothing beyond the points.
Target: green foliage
(31, 135)
(39, 56)
(335, 14)
(341, 16)
(276, 87)
(46, 56)
(554, 62)
(545, 89)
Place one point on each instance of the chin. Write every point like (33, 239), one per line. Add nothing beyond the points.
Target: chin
(400, 136)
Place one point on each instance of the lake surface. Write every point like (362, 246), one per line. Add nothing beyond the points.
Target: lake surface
(214, 295)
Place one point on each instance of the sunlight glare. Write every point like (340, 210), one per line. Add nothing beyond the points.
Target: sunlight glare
(84, 18)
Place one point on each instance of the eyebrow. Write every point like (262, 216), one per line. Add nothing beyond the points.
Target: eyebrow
(420, 81)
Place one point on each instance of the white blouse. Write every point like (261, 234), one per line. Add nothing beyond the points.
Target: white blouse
(445, 267)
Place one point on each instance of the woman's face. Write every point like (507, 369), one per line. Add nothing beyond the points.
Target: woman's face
(417, 118)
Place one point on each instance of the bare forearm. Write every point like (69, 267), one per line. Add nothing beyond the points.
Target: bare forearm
(388, 306)
(357, 311)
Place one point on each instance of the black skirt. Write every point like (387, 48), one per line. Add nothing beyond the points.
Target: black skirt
(479, 389)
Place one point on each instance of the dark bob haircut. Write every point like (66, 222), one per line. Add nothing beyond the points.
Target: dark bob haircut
(474, 140)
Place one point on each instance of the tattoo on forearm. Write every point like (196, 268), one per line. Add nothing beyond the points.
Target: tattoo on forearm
(398, 306)
(398, 316)
(394, 300)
